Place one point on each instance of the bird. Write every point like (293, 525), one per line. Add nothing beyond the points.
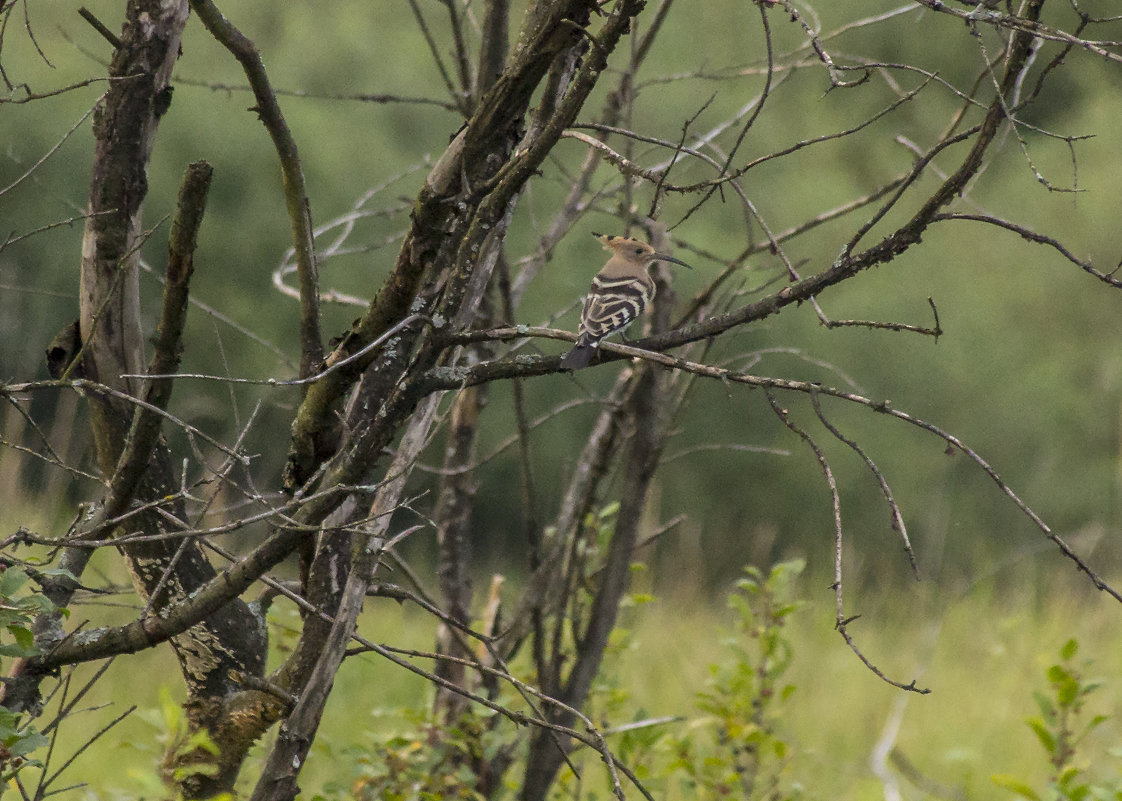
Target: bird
(620, 292)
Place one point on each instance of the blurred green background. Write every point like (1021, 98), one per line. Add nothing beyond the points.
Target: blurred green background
(1028, 372)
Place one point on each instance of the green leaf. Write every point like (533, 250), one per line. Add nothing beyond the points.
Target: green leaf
(1076, 792)
(1042, 734)
(195, 769)
(794, 567)
(28, 742)
(1069, 649)
(23, 635)
(10, 581)
(1045, 705)
(200, 739)
(1067, 693)
(36, 603)
(1089, 687)
(1058, 674)
(1015, 785)
(609, 510)
(1093, 724)
(8, 718)
(60, 572)
(17, 650)
(787, 609)
(171, 711)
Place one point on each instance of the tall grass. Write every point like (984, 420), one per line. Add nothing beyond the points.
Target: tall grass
(982, 650)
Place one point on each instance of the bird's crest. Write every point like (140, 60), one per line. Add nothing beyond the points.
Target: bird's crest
(633, 251)
(624, 245)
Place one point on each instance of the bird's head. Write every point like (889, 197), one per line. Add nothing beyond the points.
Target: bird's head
(634, 251)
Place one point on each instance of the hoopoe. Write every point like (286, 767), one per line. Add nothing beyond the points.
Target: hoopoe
(620, 292)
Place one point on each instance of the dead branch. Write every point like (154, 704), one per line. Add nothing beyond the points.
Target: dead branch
(295, 191)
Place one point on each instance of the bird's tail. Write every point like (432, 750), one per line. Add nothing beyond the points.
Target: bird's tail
(578, 357)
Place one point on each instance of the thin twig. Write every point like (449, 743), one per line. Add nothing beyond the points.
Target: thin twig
(897, 518)
(358, 97)
(293, 382)
(54, 150)
(934, 332)
(1040, 239)
(841, 622)
(82, 748)
(100, 27)
(996, 19)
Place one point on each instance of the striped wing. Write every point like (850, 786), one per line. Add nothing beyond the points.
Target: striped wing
(612, 305)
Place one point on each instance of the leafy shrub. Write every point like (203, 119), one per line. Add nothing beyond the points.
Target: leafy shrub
(18, 608)
(737, 750)
(1060, 730)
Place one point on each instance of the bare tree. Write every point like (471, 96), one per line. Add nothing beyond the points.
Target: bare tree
(445, 329)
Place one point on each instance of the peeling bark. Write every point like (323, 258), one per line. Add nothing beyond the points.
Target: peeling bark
(164, 571)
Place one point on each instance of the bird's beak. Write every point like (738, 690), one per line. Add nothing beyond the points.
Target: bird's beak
(664, 257)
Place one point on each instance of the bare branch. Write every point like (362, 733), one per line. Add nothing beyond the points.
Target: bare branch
(1025, 25)
(443, 315)
(146, 420)
(897, 518)
(492, 371)
(100, 27)
(458, 98)
(357, 97)
(1041, 239)
(842, 622)
(54, 150)
(934, 332)
(295, 191)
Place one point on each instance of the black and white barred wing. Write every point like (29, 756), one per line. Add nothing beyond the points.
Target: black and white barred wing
(612, 305)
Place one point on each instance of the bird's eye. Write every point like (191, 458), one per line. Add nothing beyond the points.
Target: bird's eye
(638, 251)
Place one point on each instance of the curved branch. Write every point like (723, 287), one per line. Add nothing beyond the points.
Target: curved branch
(897, 518)
(523, 366)
(295, 191)
(1040, 239)
(840, 622)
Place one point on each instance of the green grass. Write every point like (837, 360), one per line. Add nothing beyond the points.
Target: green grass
(982, 651)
